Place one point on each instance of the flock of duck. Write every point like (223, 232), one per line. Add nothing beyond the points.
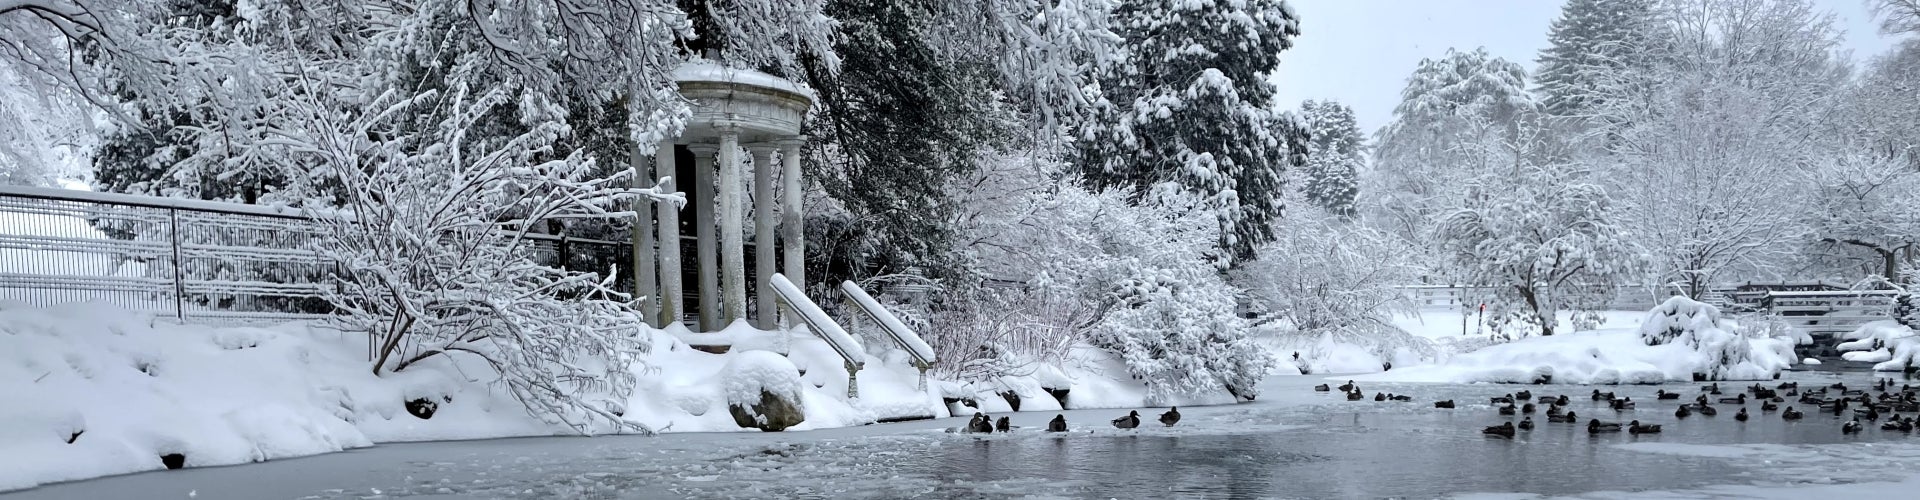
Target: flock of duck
(1836, 399)
(983, 424)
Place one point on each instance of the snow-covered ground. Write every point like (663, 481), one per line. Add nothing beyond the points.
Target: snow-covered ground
(94, 390)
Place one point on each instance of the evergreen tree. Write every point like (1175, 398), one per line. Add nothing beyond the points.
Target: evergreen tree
(1184, 111)
(896, 124)
(1334, 156)
(1592, 45)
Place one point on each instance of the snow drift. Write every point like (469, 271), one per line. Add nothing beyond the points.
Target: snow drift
(1888, 344)
(1680, 340)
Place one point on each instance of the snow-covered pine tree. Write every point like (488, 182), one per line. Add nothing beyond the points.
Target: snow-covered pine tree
(1546, 239)
(1186, 111)
(1590, 48)
(1335, 155)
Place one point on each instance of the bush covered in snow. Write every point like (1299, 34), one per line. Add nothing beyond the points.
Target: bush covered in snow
(1889, 344)
(1726, 355)
(1677, 317)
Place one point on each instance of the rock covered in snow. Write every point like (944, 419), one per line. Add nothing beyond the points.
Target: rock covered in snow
(1889, 344)
(763, 391)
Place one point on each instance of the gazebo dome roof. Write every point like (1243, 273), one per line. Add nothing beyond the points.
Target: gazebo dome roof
(759, 106)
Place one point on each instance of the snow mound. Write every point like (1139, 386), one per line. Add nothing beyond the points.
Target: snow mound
(749, 373)
(1889, 344)
(1679, 341)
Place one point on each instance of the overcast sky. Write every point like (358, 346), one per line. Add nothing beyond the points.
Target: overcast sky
(1360, 51)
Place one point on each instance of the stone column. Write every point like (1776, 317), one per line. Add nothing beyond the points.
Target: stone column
(644, 287)
(671, 291)
(733, 261)
(763, 244)
(792, 220)
(707, 258)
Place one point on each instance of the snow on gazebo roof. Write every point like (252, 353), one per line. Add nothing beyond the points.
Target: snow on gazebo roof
(702, 70)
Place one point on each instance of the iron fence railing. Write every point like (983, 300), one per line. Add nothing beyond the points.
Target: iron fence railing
(194, 260)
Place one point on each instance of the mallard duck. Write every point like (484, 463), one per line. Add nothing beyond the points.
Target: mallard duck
(1058, 424)
(1738, 400)
(1740, 415)
(1548, 400)
(1706, 409)
(1556, 410)
(1501, 400)
(1599, 396)
(1769, 406)
(1683, 412)
(1503, 430)
(1906, 425)
(1401, 397)
(1526, 424)
(1623, 404)
(1851, 427)
(1527, 408)
(1568, 418)
(1634, 427)
(1712, 389)
(1172, 416)
(1788, 386)
(1791, 414)
(1838, 386)
(1130, 421)
(1869, 413)
(1595, 426)
(1443, 404)
(1562, 401)
(1379, 396)
(980, 424)
(1355, 396)
(1664, 395)
(1322, 388)
(1347, 387)
(1003, 425)
(1523, 395)
(1508, 409)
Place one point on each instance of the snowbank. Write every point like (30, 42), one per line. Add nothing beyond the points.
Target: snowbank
(1889, 344)
(1687, 339)
(126, 389)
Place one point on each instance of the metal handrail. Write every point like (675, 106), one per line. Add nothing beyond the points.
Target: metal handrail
(922, 354)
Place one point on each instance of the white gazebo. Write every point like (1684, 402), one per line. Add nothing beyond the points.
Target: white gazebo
(733, 110)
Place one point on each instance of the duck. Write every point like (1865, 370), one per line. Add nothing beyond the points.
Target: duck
(1788, 386)
(1555, 410)
(1906, 425)
(1547, 400)
(1379, 396)
(1322, 388)
(1501, 400)
(1502, 430)
(1527, 408)
(1892, 424)
(1851, 427)
(1623, 404)
(1595, 426)
(1526, 424)
(1562, 401)
(1664, 395)
(1870, 413)
(1347, 387)
(1634, 427)
(1443, 404)
(1172, 416)
(1355, 396)
(1523, 395)
(1130, 421)
(1838, 387)
(1401, 397)
(1712, 389)
(1569, 418)
(1003, 425)
(1741, 415)
(1738, 400)
(1508, 409)
(1769, 406)
(1683, 412)
(1058, 424)
(980, 424)
(1599, 396)
(1791, 414)
(1707, 410)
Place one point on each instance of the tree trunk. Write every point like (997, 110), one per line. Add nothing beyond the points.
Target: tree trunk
(1546, 320)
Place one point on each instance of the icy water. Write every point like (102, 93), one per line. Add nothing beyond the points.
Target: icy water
(1294, 443)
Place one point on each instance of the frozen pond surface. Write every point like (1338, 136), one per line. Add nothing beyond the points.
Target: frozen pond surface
(1294, 443)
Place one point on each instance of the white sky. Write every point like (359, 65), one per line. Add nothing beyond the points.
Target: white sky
(1360, 52)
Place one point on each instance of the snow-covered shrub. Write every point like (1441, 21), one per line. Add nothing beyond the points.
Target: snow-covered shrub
(1137, 277)
(1674, 318)
(432, 257)
(1888, 343)
(1325, 277)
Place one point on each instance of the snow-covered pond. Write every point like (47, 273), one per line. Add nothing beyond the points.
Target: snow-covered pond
(1293, 443)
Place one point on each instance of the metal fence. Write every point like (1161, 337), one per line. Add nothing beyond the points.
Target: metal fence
(192, 260)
